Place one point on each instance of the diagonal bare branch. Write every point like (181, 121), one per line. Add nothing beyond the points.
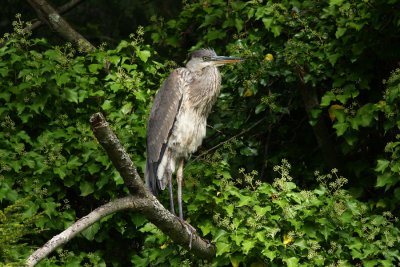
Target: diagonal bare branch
(129, 202)
(62, 9)
(117, 154)
(155, 212)
(50, 16)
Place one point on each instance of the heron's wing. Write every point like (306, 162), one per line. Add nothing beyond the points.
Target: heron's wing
(162, 118)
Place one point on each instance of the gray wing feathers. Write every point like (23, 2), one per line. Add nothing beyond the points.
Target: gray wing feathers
(162, 117)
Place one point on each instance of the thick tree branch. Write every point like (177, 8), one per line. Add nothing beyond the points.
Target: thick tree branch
(117, 155)
(154, 211)
(141, 201)
(50, 16)
(128, 202)
(62, 9)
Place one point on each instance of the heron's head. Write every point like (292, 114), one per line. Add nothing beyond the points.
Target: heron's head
(203, 58)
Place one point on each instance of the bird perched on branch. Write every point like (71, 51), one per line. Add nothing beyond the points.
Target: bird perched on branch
(177, 123)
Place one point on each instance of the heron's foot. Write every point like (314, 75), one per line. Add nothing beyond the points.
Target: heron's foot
(190, 230)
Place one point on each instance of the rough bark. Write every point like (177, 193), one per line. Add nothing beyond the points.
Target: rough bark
(117, 154)
(50, 16)
(61, 10)
(128, 202)
(141, 201)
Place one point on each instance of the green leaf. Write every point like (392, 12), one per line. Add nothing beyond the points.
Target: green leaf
(276, 30)
(346, 217)
(140, 95)
(223, 248)
(292, 262)
(335, 2)
(261, 211)
(270, 254)
(238, 24)
(386, 179)
(5, 95)
(61, 171)
(63, 79)
(260, 108)
(115, 87)
(70, 95)
(364, 117)
(238, 238)
(28, 162)
(118, 179)
(93, 168)
(221, 233)
(114, 59)
(86, 188)
(73, 162)
(327, 99)
(333, 58)
(49, 208)
(94, 68)
(127, 108)
(341, 128)
(244, 200)
(107, 105)
(247, 245)
(381, 165)
(4, 72)
(268, 22)
(248, 151)
(206, 227)
(215, 35)
(143, 54)
(91, 231)
(229, 209)
(340, 32)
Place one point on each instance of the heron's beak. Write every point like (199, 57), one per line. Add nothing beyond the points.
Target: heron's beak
(222, 60)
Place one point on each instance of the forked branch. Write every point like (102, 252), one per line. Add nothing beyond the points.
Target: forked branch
(141, 201)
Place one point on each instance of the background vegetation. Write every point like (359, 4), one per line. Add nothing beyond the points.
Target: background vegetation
(301, 161)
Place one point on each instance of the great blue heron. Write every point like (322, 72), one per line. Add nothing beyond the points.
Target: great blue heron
(177, 123)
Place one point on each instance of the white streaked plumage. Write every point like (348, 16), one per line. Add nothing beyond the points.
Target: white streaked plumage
(177, 122)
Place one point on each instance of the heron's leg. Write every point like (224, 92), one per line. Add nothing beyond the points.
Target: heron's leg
(179, 178)
(171, 194)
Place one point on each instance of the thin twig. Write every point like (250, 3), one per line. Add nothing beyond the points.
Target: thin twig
(228, 140)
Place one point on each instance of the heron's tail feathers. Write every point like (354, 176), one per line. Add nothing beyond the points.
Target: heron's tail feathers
(151, 179)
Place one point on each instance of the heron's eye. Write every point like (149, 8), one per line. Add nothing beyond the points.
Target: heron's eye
(205, 58)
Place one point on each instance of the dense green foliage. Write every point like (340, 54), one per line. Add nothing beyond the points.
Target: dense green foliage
(47, 150)
(279, 224)
(336, 51)
(310, 65)
(16, 222)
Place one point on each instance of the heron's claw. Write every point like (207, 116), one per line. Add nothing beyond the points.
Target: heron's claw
(190, 230)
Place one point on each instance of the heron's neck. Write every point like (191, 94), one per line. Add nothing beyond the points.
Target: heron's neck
(205, 89)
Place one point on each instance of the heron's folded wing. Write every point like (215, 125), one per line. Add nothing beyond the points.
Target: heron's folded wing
(162, 117)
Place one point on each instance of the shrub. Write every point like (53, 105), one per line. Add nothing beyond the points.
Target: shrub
(261, 224)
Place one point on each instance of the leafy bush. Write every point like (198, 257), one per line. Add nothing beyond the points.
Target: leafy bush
(279, 224)
(329, 56)
(47, 96)
(338, 51)
(17, 223)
